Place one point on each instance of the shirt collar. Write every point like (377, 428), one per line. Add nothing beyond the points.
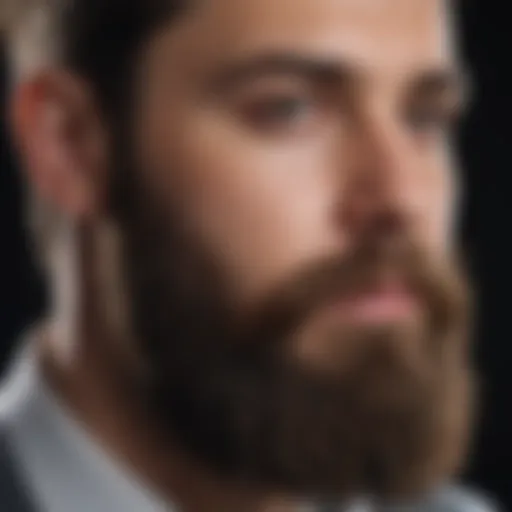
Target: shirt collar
(65, 469)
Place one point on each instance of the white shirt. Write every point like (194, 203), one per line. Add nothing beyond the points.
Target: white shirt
(66, 471)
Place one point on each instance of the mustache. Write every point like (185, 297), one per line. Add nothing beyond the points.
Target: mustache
(437, 282)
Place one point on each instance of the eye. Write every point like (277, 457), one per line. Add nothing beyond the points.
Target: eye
(432, 120)
(281, 112)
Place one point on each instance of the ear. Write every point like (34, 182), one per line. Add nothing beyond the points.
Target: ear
(62, 142)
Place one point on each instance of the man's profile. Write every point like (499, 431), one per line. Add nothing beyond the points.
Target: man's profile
(245, 212)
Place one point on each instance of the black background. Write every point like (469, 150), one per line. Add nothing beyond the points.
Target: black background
(485, 144)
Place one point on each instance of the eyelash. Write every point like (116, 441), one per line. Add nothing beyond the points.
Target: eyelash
(280, 110)
(291, 111)
(433, 119)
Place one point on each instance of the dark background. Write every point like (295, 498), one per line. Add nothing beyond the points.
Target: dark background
(485, 143)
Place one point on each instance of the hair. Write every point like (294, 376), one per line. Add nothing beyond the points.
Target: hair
(96, 40)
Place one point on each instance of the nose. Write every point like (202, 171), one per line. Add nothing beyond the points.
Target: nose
(385, 191)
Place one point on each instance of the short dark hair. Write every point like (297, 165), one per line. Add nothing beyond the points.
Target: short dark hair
(97, 39)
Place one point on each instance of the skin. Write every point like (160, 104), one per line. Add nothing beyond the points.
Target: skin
(292, 128)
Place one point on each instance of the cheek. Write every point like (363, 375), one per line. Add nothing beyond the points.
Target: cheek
(262, 206)
(442, 205)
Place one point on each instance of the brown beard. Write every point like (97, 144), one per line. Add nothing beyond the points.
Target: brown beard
(228, 388)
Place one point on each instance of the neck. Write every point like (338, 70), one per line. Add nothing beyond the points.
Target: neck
(89, 382)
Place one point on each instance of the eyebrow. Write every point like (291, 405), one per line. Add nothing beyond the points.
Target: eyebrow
(428, 84)
(321, 69)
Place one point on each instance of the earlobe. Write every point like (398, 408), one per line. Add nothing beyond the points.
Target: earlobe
(57, 132)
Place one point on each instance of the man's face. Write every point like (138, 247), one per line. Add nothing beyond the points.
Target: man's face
(289, 124)
(287, 233)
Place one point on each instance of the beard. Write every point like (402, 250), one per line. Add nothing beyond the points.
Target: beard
(391, 414)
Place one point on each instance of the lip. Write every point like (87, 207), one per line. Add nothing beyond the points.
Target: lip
(377, 306)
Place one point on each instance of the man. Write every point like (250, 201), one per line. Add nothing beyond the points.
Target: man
(245, 212)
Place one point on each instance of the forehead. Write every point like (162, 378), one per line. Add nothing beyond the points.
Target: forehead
(387, 36)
